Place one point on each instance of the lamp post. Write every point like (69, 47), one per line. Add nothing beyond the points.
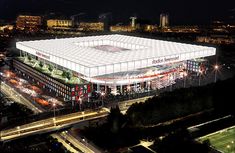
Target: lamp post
(54, 105)
(83, 115)
(216, 67)
(0, 85)
(102, 97)
(18, 129)
(185, 76)
(80, 103)
(129, 91)
(228, 148)
(54, 119)
(149, 87)
(232, 146)
(171, 79)
(85, 141)
(199, 82)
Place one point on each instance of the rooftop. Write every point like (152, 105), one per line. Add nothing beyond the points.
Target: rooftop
(107, 50)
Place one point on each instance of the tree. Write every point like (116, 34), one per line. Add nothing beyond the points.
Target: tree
(50, 68)
(68, 75)
(41, 64)
(29, 57)
(179, 141)
(64, 74)
(115, 120)
(207, 142)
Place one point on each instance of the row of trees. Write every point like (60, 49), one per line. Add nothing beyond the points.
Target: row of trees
(183, 102)
(170, 105)
(65, 74)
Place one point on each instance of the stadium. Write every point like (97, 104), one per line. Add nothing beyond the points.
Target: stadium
(74, 67)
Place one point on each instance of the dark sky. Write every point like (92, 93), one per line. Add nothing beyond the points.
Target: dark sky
(180, 11)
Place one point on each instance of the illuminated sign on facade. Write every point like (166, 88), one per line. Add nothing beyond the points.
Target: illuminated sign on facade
(42, 55)
(161, 60)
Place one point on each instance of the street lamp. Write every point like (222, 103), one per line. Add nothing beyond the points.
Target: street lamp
(171, 82)
(18, 129)
(102, 96)
(199, 82)
(185, 76)
(54, 121)
(83, 115)
(149, 87)
(232, 144)
(216, 67)
(228, 147)
(80, 103)
(54, 105)
(84, 140)
(129, 90)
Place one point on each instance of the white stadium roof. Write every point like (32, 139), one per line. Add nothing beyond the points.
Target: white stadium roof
(99, 55)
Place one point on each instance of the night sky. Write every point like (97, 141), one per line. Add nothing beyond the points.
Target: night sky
(180, 11)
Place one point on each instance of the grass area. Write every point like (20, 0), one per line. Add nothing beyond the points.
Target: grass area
(223, 140)
(56, 73)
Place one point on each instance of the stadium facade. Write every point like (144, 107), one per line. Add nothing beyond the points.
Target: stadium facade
(107, 63)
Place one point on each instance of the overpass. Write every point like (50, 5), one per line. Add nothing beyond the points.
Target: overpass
(55, 123)
(51, 124)
(61, 122)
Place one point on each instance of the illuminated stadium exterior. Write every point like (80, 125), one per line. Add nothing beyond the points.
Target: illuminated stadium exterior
(115, 62)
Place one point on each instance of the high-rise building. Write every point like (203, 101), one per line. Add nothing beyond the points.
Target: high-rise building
(91, 26)
(59, 24)
(133, 21)
(26, 22)
(76, 18)
(164, 20)
(122, 28)
(106, 19)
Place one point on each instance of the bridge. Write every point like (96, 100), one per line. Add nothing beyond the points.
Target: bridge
(51, 124)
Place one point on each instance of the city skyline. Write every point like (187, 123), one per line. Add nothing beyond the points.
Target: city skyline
(181, 12)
